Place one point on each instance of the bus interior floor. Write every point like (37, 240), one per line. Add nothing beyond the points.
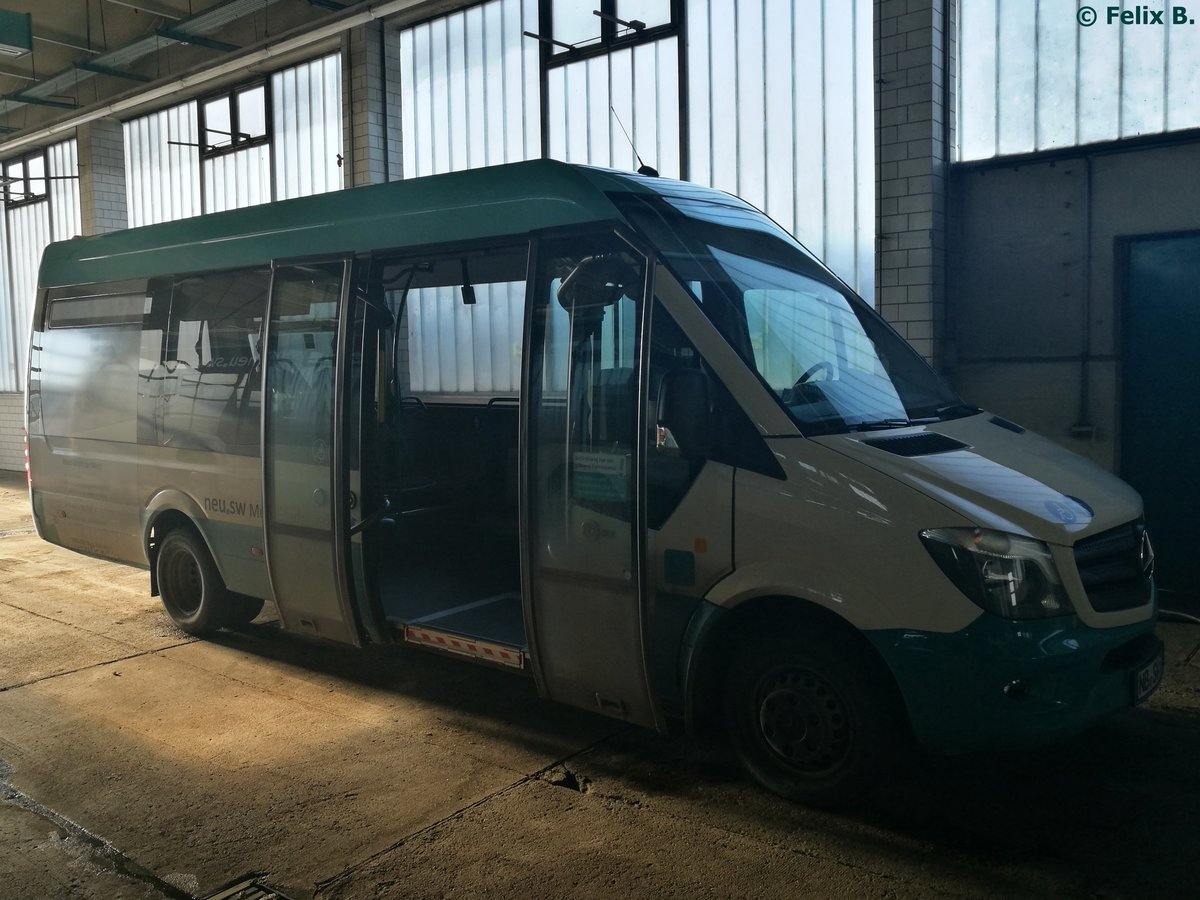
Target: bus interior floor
(460, 576)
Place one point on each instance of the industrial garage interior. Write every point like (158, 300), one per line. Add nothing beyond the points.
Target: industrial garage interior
(1012, 185)
(987, 201)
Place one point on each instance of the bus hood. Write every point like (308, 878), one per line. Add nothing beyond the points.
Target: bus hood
(998, 476)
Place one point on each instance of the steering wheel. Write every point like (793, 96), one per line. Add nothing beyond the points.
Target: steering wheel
(812, 370)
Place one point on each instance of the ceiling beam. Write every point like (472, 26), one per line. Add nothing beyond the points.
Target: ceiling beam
(155, 9)
(62, 39)
(41, 101)
(110, 71)
(197, 40)
(296, 41)
(6, 72)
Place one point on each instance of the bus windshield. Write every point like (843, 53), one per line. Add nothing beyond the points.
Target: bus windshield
(828, 358)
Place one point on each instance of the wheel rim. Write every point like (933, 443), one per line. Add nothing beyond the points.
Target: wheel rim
(182, 584)
(803, 720)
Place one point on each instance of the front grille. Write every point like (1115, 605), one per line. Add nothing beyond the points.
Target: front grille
(1111, 565)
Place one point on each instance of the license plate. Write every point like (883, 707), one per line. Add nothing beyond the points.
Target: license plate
(1146, 679)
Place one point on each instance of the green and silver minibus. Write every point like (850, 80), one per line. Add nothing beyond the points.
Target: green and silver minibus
(618, 432)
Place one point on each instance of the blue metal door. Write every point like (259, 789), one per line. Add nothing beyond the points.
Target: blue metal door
(1160, 402)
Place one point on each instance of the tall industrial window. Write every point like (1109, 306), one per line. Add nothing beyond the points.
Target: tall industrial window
(776, 106)
(1031, 77)
(41, 205)
(469, 98)
(781, 113)
(606, 24)
(162, 166)
(234, 120)
(306, 107)
(261, 141)
(469, 89)
(612, 84)
(769, 100)
(24, 179)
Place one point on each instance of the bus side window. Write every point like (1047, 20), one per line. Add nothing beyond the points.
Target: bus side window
(150, 363)
(204, 390)
(86, 387)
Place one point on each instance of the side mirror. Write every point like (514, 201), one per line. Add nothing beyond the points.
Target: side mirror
(683, 411)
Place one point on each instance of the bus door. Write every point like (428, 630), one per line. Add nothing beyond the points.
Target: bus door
(582, 464)
(305, 494)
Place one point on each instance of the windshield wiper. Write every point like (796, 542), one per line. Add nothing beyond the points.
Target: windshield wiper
(957, 411)
(879, 425)
(943, 413)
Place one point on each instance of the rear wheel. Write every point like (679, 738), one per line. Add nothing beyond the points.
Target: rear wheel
(191, 588)
(812, 718)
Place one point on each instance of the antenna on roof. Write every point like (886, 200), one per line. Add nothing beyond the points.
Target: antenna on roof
(643, 169)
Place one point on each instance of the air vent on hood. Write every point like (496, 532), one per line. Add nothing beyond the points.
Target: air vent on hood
(923, 444)
(1004, 423)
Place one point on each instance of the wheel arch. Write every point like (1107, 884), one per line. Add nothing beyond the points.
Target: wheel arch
(713, 638)
(167, 510)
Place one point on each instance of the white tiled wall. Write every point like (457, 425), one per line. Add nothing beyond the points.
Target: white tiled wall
(12, 426)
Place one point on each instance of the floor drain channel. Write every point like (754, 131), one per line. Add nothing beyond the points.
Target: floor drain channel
(251, 888)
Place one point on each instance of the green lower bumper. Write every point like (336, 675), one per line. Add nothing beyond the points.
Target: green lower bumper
(1000, 683)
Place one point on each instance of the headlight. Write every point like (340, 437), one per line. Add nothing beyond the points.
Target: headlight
(1011, 576)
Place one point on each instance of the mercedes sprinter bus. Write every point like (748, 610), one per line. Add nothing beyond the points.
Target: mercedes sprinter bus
(618, 432)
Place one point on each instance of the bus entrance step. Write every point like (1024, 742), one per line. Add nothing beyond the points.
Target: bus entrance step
(457, 643)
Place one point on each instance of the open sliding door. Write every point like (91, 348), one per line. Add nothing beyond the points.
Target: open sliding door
(304, 483)
(582, 463)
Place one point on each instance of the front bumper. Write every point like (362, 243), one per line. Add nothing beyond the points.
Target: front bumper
(1000, 683)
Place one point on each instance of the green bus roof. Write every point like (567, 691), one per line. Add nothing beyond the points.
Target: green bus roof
(474, 204)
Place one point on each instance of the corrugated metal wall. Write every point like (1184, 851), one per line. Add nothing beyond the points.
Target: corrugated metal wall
(1031, 77)
(781, 106)
(469, 89)
(28, 229)
(307, 104)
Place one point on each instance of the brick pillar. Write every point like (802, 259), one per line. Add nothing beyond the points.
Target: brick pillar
(370, 92)
(914, 118)
(101, 146)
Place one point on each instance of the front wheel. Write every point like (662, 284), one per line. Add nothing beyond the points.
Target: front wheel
(190, 586)
(812, 718)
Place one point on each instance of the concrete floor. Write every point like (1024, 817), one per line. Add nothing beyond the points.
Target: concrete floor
(136, 762)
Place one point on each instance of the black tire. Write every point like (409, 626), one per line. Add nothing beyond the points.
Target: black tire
(812, 718)
(189, 584)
